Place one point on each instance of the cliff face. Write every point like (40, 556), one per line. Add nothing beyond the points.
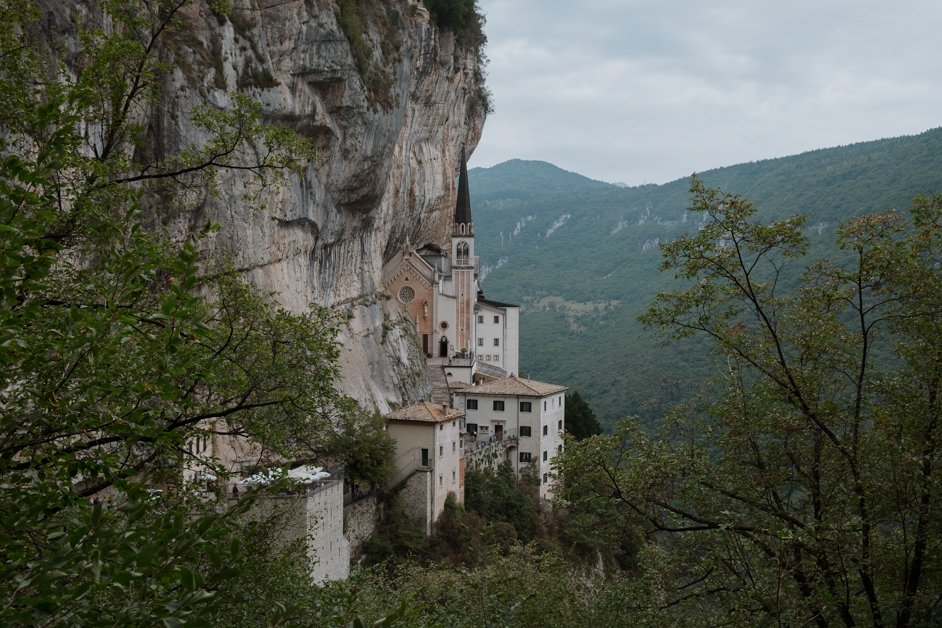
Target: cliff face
(386, 170)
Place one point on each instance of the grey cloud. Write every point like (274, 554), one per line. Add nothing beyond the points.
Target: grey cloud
(650, 91)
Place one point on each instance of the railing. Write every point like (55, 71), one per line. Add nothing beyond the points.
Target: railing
(489, 452)
(476, 443)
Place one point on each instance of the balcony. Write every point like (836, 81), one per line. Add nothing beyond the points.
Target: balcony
(486, 449)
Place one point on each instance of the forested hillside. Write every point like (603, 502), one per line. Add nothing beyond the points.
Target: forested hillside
(582, 256)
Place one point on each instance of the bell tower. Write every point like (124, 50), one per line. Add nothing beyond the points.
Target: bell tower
(463, 266)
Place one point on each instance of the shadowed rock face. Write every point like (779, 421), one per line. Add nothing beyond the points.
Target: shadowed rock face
(385, 173)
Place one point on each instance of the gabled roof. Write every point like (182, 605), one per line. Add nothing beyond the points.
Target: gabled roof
(516, 387)
(393, 267)
(425, 412)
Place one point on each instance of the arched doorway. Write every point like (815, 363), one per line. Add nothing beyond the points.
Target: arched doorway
(443, 347)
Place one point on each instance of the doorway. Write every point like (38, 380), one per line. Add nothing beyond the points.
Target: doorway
(443, 347)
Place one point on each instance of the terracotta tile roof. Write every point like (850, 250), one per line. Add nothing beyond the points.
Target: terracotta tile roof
(515, 386)
(425, 412)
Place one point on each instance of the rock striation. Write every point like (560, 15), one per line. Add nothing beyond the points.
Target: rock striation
(386, 169)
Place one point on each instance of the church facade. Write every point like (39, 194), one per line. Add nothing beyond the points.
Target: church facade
(437, 286)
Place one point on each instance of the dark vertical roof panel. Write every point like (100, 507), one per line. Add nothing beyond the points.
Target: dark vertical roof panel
(463, 206)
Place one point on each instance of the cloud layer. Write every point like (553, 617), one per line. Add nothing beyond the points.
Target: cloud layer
(644, 91)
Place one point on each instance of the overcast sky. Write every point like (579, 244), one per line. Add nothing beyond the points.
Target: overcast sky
(648, 91)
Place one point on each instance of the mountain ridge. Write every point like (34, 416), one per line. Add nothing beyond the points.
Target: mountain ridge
(581, 256)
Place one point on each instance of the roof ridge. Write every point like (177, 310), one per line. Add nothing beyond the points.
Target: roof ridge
(525, 384)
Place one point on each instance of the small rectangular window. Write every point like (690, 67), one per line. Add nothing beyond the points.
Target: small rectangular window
(545, 430)
(481, 319)
(471, 404)
(472, 428)
(559, 449)
(526, 406)
(480, 342)
(452, 477)
(497, 319)
(441, 451)
(544, 405)
(498, 405)
(496, 342)
(453, 446)
(545, 478)
(524, 456)
(524, 430)
(560, 425)
(441, 480)
(545, 456)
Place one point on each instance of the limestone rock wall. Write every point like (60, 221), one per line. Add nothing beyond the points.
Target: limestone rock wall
(385, 173)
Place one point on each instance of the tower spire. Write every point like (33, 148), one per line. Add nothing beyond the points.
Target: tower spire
(463, 205)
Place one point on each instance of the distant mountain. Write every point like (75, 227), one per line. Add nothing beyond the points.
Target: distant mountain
(521, 178)
(581, 256)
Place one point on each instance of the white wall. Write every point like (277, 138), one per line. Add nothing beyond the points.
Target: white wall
(553, 419)
(548, 412)
(512, 341)
(443, 442)
(327, 544)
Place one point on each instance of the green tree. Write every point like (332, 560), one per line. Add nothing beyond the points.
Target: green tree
(362, 446)
(457, 536)
(498, 496)
(580, 418)
(397, 538)
(525, 587)
(456, 15)
(119, 349)
(809, 492)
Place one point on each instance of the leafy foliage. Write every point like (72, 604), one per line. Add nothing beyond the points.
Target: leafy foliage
(807, 492)
(497, 496)
(396, 538)
(580, 418)
(119, 350)
(456, 15)
(522, 588)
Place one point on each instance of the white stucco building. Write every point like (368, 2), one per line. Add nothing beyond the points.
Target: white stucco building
(429, 458)
(528, 416)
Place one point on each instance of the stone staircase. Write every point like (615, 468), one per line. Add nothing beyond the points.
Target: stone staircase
(436, 375)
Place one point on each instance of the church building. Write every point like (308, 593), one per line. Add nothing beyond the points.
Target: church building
(438, 287)
(471, 344)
